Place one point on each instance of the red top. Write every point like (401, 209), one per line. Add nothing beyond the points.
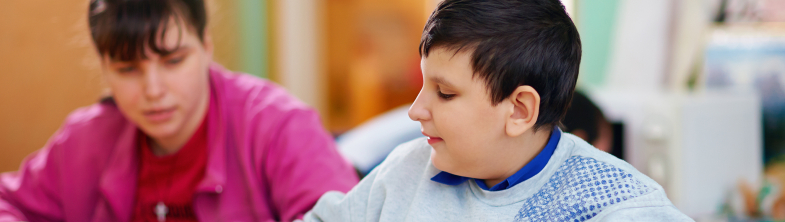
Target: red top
(170, 179)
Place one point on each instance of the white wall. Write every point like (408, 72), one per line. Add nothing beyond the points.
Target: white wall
(298, 48)
(638, 59)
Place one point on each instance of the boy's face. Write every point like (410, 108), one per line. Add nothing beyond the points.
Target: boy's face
(456, 113)
(164, 95)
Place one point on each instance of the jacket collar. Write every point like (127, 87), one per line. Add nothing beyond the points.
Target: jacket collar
(215, 173)
(118, 180)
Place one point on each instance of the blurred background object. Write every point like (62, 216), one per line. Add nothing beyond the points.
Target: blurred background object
(45, 73)
(690, 92)
(372, 60)
(585, 120)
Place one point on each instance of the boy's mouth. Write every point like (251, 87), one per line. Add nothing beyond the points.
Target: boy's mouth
(432, 140)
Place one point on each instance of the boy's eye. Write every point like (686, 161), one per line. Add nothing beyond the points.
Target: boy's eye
(445, 96)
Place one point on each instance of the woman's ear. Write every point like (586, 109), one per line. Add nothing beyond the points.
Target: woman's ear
(525, 110)
(207, 41)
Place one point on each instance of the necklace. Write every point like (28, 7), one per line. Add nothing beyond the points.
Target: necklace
(161, 210)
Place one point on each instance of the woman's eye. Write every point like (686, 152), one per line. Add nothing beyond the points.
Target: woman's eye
(174, 61)
(127, 69)
(445, 96)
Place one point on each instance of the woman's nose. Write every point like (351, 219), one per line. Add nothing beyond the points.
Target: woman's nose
(154, 85)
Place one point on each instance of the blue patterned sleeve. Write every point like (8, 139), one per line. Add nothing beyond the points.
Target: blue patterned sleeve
(660, 213)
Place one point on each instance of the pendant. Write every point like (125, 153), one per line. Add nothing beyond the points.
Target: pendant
(160, 211)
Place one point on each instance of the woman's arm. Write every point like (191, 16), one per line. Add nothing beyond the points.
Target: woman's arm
(303, 163)
(32, 193)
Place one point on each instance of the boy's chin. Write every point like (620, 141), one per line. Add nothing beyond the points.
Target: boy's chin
(452, 168)
(435, 161)
(440, 163)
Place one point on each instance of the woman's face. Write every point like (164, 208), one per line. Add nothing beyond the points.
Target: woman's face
(166, 96)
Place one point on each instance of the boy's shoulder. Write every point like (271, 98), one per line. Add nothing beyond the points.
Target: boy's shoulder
(591, 182)
(584, 160)
(574, 151)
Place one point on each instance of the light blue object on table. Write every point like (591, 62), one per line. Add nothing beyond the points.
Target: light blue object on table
(368, 144)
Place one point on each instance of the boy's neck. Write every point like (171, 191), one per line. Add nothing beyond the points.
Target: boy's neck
(533, 144)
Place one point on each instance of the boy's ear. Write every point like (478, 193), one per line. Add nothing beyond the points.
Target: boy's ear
(525, 103)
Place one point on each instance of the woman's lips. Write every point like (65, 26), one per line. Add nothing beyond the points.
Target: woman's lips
(159, 115)
(432, 140)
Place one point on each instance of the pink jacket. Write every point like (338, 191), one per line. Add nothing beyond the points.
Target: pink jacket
(269, 160)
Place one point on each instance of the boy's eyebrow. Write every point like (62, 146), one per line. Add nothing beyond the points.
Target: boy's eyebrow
(442, 81)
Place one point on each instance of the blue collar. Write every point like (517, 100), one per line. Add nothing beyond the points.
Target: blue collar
(529, 170)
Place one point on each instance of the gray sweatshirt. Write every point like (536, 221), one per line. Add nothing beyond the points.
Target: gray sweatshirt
(579, 183)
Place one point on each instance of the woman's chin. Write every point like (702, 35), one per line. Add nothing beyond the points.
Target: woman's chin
(158, 131)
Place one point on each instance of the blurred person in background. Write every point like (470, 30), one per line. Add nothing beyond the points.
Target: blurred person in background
(180, 138)
(585, 120)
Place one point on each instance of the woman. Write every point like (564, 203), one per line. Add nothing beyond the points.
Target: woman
(180, 138)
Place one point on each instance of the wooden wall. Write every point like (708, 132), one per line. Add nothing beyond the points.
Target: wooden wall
(371, 57)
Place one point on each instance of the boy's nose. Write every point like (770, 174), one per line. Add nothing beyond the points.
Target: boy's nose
(418, 111)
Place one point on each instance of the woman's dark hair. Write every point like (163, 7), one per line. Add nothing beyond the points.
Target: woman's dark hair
(513, 43)
(122, 28)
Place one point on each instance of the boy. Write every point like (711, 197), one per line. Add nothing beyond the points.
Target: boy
(498, 76)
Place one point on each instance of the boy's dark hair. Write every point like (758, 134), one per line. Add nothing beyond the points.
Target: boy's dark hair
(514, 43)
(122, 28)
